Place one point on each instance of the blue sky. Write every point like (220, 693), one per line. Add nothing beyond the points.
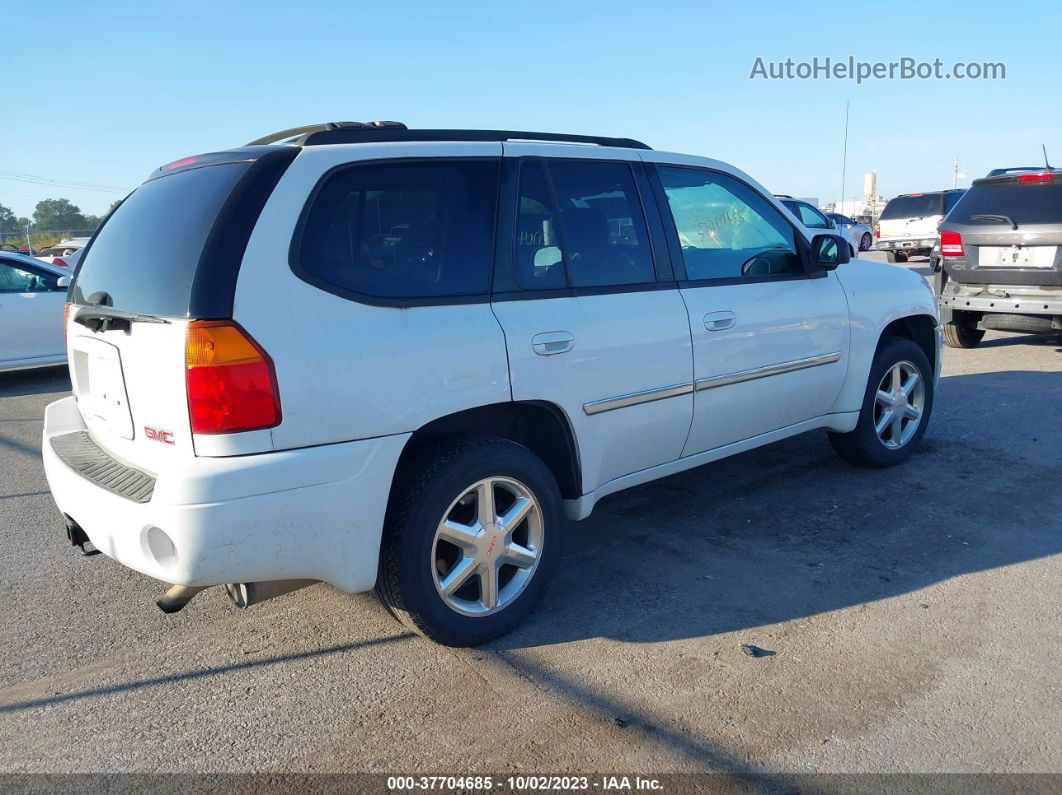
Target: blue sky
(103, 93)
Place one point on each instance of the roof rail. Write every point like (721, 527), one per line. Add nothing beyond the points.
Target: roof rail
(327, 126)
(392, 131)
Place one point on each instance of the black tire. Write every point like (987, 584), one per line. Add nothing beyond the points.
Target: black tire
(424, 488)
(956, 336)
(862, 446)
(865, 242)
(895, 256)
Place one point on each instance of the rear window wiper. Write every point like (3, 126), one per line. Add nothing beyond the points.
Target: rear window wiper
(994, 217)
(105, 318)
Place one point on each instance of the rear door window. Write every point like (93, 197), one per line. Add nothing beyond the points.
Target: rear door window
(1025, 204)
(580, 226)
(146, 255)
(402, 230)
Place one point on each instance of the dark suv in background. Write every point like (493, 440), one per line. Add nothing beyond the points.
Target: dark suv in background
(1001, 252)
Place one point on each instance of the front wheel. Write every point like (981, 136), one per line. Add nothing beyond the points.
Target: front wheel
(896, 407)
(865, 242)
(472, 540)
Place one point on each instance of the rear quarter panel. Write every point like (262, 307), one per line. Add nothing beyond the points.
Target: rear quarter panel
(877, 295)
(348, 370)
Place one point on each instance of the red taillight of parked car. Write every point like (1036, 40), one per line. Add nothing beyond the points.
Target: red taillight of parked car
(60, 262)
(877, 231)
(66, 318)
(1036, 178)
(951, 244)
(231, 383)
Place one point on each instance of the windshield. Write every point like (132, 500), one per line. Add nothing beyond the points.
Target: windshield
(914, 206)
(146, 255)
(1024, 204)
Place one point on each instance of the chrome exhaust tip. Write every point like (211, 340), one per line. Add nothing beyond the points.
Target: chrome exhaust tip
(245, 594)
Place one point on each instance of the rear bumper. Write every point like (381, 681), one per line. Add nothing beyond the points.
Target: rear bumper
(1001, 298)
(905, 244)
(313, 513)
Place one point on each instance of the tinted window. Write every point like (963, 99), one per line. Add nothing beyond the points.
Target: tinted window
(403, 230)
(810, 217)
(1024, 204)
(539, 262)
(950, 200)
(145, 256)
(841, 219)
(914, 206)
(603, 231)
(19, 278)
(726, 229)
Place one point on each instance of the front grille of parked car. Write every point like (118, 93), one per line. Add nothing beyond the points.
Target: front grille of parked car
(80, 453)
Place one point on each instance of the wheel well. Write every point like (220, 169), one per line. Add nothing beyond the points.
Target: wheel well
(541, 427)
(920, 329)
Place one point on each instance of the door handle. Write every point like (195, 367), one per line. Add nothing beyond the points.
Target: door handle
(549, 343)
(717, 321)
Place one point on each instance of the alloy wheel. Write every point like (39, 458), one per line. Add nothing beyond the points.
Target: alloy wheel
(899, 404)
(487, 546)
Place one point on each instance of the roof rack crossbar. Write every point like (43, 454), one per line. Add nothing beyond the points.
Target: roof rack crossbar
(327, 126)
(365, 134)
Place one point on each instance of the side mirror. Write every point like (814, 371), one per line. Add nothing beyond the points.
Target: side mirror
(829, 251)
(62, 283)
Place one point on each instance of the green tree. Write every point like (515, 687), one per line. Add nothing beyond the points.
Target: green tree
(57, 215)
(8, 221)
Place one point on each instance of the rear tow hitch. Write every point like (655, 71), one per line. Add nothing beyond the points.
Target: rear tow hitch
(79, 538)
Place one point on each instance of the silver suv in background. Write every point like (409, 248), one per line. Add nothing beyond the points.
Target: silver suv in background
(908, 224)
(1001, 252)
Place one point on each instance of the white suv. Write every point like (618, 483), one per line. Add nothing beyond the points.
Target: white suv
(374, 356)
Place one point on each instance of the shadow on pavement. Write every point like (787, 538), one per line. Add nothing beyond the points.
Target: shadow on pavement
(35, 382)
(791, 530)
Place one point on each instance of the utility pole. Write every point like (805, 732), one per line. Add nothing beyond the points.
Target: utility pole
(29, 245)
(844, 157)
(955, 174)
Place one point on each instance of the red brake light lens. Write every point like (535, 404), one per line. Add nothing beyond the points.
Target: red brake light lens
(184, 161)
(1036, 178)
(230, 379)
(877, 230)
(60, 262)
(951, 244)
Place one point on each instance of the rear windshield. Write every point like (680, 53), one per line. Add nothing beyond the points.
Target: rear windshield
(1024, 204)
(914, 206)
(145, 255)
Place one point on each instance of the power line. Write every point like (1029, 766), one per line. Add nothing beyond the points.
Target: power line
(33, 179)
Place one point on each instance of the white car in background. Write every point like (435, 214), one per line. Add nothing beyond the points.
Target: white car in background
(32, 295)
(861, 235)
(64, 253)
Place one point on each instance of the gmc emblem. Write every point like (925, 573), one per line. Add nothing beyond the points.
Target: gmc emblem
(166, 437)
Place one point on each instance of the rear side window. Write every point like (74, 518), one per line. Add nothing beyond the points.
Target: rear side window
(914, 206)
(583, 226)
(145, 256)
(18, 277)
(402, 230)
(1022, 203)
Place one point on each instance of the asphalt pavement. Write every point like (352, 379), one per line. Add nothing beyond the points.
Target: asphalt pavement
(909, 621)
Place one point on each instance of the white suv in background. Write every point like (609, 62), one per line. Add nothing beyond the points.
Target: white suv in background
(374, 356)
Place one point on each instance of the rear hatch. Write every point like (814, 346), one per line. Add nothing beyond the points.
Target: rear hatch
(914, 217)
(1007, 230)
(168, 254)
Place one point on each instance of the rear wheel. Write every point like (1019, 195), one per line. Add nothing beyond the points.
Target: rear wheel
(956, 336)
(865, 241)
(472, 540)
(896, 407)
(896, 256)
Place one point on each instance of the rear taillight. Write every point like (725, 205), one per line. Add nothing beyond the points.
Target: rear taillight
(1036, 178)
(66, 318)
(951, 244)
(60, 262)
(877, 230)
(231, 382)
